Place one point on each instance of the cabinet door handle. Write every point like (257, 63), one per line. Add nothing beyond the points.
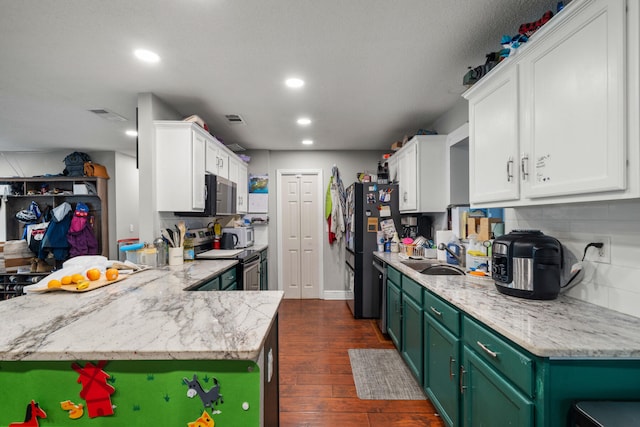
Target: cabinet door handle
(436, 312)
(486, 350)
(509, 169)
(461, 380)
(451, 362)
(404, 196)
(524, 161)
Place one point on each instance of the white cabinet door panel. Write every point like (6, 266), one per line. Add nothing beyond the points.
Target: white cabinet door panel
(198, 160)
(493, 140)
(573, 132)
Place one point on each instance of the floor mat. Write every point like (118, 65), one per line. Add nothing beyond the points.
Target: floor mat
(383, 375)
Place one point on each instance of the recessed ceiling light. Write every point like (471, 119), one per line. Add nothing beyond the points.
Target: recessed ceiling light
(146, 55)
(131, 132)
(303, 121)
(307, 142)
(294, 83)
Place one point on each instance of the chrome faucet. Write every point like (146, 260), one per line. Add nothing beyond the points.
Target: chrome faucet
(460, 258)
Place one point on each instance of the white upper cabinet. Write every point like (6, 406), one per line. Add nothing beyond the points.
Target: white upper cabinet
(180, 166)
(422, 174)
(493, 132)
(238, 173)
(217, 158)
(553, 124)
(573, 90)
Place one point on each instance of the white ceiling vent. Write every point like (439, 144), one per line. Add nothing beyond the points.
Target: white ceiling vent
(235, 147)
(234, 119)
(108, 115)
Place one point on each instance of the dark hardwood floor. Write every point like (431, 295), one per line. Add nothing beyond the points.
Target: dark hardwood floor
(316, 384)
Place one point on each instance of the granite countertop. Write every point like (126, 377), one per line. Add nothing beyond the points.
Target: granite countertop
(147, 316)
(562, 328)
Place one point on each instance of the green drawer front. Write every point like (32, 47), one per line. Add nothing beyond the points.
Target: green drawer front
(393, 275)
(441, 311)
(412, 288)
(508, 360)
(228, 277)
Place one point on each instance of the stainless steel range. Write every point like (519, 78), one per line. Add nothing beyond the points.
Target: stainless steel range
(249, 260)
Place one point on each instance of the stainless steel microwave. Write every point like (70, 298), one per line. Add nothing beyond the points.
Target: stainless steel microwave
(220, 200)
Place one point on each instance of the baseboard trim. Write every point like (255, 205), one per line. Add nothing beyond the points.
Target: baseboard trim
(335, 295)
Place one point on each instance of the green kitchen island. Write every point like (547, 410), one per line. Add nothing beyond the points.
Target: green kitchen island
(142, 352)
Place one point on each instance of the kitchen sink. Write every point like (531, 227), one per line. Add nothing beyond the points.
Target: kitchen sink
(433, 268)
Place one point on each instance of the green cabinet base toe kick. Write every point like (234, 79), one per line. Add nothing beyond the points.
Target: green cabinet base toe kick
(135, 393)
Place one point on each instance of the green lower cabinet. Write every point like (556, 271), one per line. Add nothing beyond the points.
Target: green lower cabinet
(412, 336)
(132, 393)
(441, 364)
(488, 399)
(393, 313)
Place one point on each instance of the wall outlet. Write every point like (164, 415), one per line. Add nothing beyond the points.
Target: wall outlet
(603, 254)
(131, 228)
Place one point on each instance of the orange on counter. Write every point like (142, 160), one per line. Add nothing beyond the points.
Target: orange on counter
(77, 278)
(93, 274)
(111, 273)
(54, 284)
(66, 280)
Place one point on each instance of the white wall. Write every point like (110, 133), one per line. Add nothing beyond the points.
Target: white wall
(126, 217)
(348, 163)
(614, 285)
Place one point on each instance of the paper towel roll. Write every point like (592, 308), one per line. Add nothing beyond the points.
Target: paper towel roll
(443, 236)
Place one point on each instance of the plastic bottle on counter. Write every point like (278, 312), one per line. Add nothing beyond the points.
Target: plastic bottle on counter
(189, 251)
(395, 243)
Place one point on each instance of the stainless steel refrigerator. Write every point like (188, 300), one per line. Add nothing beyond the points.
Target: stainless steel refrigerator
(368, 206)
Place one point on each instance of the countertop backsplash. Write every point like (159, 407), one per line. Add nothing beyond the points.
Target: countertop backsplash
(614, 285)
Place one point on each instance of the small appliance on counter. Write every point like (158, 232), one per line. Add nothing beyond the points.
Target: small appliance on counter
(527, 264)
(245, 236)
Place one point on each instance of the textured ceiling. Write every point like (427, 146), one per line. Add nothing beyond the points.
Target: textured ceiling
(375, 70)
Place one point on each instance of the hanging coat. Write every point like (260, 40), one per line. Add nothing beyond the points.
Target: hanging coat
(55, 239)
(80, 236)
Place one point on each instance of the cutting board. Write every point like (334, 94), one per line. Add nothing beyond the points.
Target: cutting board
(219, 253)
(102, 281)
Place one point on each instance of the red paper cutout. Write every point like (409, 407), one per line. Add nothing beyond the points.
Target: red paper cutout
(31, 416)
(95, 390)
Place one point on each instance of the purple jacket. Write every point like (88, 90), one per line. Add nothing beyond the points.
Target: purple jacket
(82, 242)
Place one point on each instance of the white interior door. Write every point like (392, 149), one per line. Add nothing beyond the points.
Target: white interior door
(299, 222)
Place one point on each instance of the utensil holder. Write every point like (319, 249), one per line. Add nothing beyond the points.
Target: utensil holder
(176, 256)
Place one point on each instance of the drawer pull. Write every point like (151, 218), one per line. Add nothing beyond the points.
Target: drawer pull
(451, 362)
(461, 380)
(436, 312)
(486, 350)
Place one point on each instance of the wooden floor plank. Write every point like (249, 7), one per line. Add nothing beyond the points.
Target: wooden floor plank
(316, 382)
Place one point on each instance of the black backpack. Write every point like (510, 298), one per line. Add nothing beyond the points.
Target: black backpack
(74, 163)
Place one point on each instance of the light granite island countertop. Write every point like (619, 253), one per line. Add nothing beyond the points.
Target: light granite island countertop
(146, 316)
(147, 352)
